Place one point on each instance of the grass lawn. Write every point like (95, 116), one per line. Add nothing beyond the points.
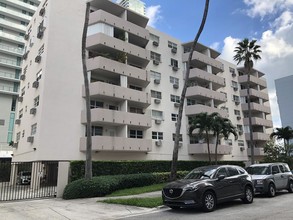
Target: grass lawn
(138, 190)
(141, 202)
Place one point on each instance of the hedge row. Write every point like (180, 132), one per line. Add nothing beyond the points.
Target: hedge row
(104, 185)
(101, 168)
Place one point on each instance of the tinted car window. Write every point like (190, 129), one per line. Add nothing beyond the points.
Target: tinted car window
(221, 171)
(259, 170)
(232, 171)
(286, 168)
(281, 168)
(275, 169)
(242, 171)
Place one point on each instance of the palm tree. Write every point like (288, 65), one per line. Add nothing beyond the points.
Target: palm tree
(183, 93)
(203, 124)
(285, 133)
(246, 52)
(88, 163)
(222, 126)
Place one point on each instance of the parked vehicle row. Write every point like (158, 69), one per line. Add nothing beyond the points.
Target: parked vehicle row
(208, 186)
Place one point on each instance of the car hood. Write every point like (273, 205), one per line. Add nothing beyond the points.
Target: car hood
(183, 182)
(259, 177)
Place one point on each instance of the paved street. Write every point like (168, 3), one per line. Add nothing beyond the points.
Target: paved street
(277, 208)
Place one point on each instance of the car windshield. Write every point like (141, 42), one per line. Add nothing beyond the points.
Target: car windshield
(259, 170)
(200, 174)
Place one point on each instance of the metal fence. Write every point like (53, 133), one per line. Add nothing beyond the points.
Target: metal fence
(28, 180)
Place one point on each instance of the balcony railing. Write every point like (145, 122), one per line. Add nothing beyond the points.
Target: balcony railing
(11, 37)
(9, 89)
(11, 25)
(15, 50)
(9, 76)
(9, 62)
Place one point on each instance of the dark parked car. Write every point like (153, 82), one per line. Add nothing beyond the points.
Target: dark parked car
(271, 177)
(207, 186)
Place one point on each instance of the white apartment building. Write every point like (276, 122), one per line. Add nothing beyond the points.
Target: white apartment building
(14, 18)
(136, 75)
(135, 5)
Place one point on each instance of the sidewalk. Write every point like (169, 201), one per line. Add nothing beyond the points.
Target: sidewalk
(76, 209)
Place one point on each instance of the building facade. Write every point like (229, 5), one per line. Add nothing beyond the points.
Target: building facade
(135, 5)
(14, 18)
(136, 75)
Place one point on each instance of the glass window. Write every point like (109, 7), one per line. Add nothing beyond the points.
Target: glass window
(174, 80)
(174, 117)
(175, 98)
(20, 113)
(157, 115)
(232, 171)
(39, 75)
(174, 62)
(180, 137)
(155, 75)
(17, 136)
(155, 56)
(156, 94)
(275, 169)
(136, 134)
(221, 171)
(155, 38)
(172, 45)
(157, 135)
(34, 129)
(97, 131)
(96, 104)
(36, 101)
(135, 87)
(240, 143)
(136, 110)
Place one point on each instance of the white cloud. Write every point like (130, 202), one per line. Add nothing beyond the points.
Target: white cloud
(154, 14)
(215, 45)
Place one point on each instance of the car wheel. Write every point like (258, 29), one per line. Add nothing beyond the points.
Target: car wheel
(174, 207)
(248, 195)
(272, 190)
(208, 201)
(290, 186)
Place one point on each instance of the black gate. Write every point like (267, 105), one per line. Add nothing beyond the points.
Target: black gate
(28, 180)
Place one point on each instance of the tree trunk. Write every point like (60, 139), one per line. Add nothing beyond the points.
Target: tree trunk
(216, 150)
(208, 144)
(88, 163)
(183, 93)
(249, 117)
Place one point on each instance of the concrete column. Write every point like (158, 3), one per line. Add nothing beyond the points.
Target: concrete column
(63, 175)
(36, 174)
(13, 174)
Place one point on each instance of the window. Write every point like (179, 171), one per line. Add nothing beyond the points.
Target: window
(239, 127)
(235, 98)
(2, 122)
(229, 142)
(174, 80)
(97, 131)
(240, 143)
(23, 133)
(2, 4)
(135, 87)
(156, 94)
(135, 110)
(155, 38)
(172, 45)
(20, 113)
(232, 171)
(36, 101)
(234, 85)
(281, 168)
(23, 91)
(17, 136)
(157, 135)
(157, 115)
(174, 62)
(96, 104)
(275, 169)
(155, 75)
(174, 117)
(231, 70)
(191, 102)
(221, 171)
(224, 94)
(41, 50)
(236, 112)
(113, 107)
(34, 129)
(136, 134)
(39, 75)
(155, 56)
(175, 98)
(180, 137)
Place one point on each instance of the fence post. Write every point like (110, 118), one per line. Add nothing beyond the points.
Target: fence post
(63, 174)
(13, 174)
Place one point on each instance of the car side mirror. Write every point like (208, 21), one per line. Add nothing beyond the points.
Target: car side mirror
(221, 177)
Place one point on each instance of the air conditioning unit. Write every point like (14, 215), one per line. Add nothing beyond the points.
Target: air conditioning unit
(156, 43)
(17, 121)
(158, 121)
(38, 59)
(33, 111)
(30, 139)
(235, 88)
(40, 33)
(175, 86)
(157, 81)
(26, 36)
(180, 144)
(42, 11)
(238, 117)
(175, 68)
(237, 102)
(20, 98)
(176, 104)
(174, 50)
(157, 101)
(35, 84)
(156, 62)
(158, 143)
(25, 55)
(22, 77)
(242, 148)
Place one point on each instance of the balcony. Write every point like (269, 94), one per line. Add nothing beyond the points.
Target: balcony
(258, 136)
(258, 151)
(255, 93)
(10, 63)
(196, 109)
(138, 75)
(115, 118)
(256, 107)
(11, 50)
(138, 34)
(118, 144)
(9, 90)
(259, 121)
(206, 94)
(203, 149)
(200, 60)
(12, 38)
(14, 14)
(8, 77)
(12, 26)
(22, 5)
(118, 93)
(104, 43)
(203, 76)
(253, 80)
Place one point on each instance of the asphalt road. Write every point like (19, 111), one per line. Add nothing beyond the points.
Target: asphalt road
(277, 208)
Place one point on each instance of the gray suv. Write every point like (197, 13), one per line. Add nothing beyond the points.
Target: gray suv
(271, 177)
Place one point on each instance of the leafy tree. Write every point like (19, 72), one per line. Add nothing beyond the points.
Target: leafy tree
(246, 52)
(183, 93)
(222, 126)
(285, 133)
(203, 123)
(88, 163)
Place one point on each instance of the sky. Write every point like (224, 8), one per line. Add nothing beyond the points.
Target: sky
(270, 22)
